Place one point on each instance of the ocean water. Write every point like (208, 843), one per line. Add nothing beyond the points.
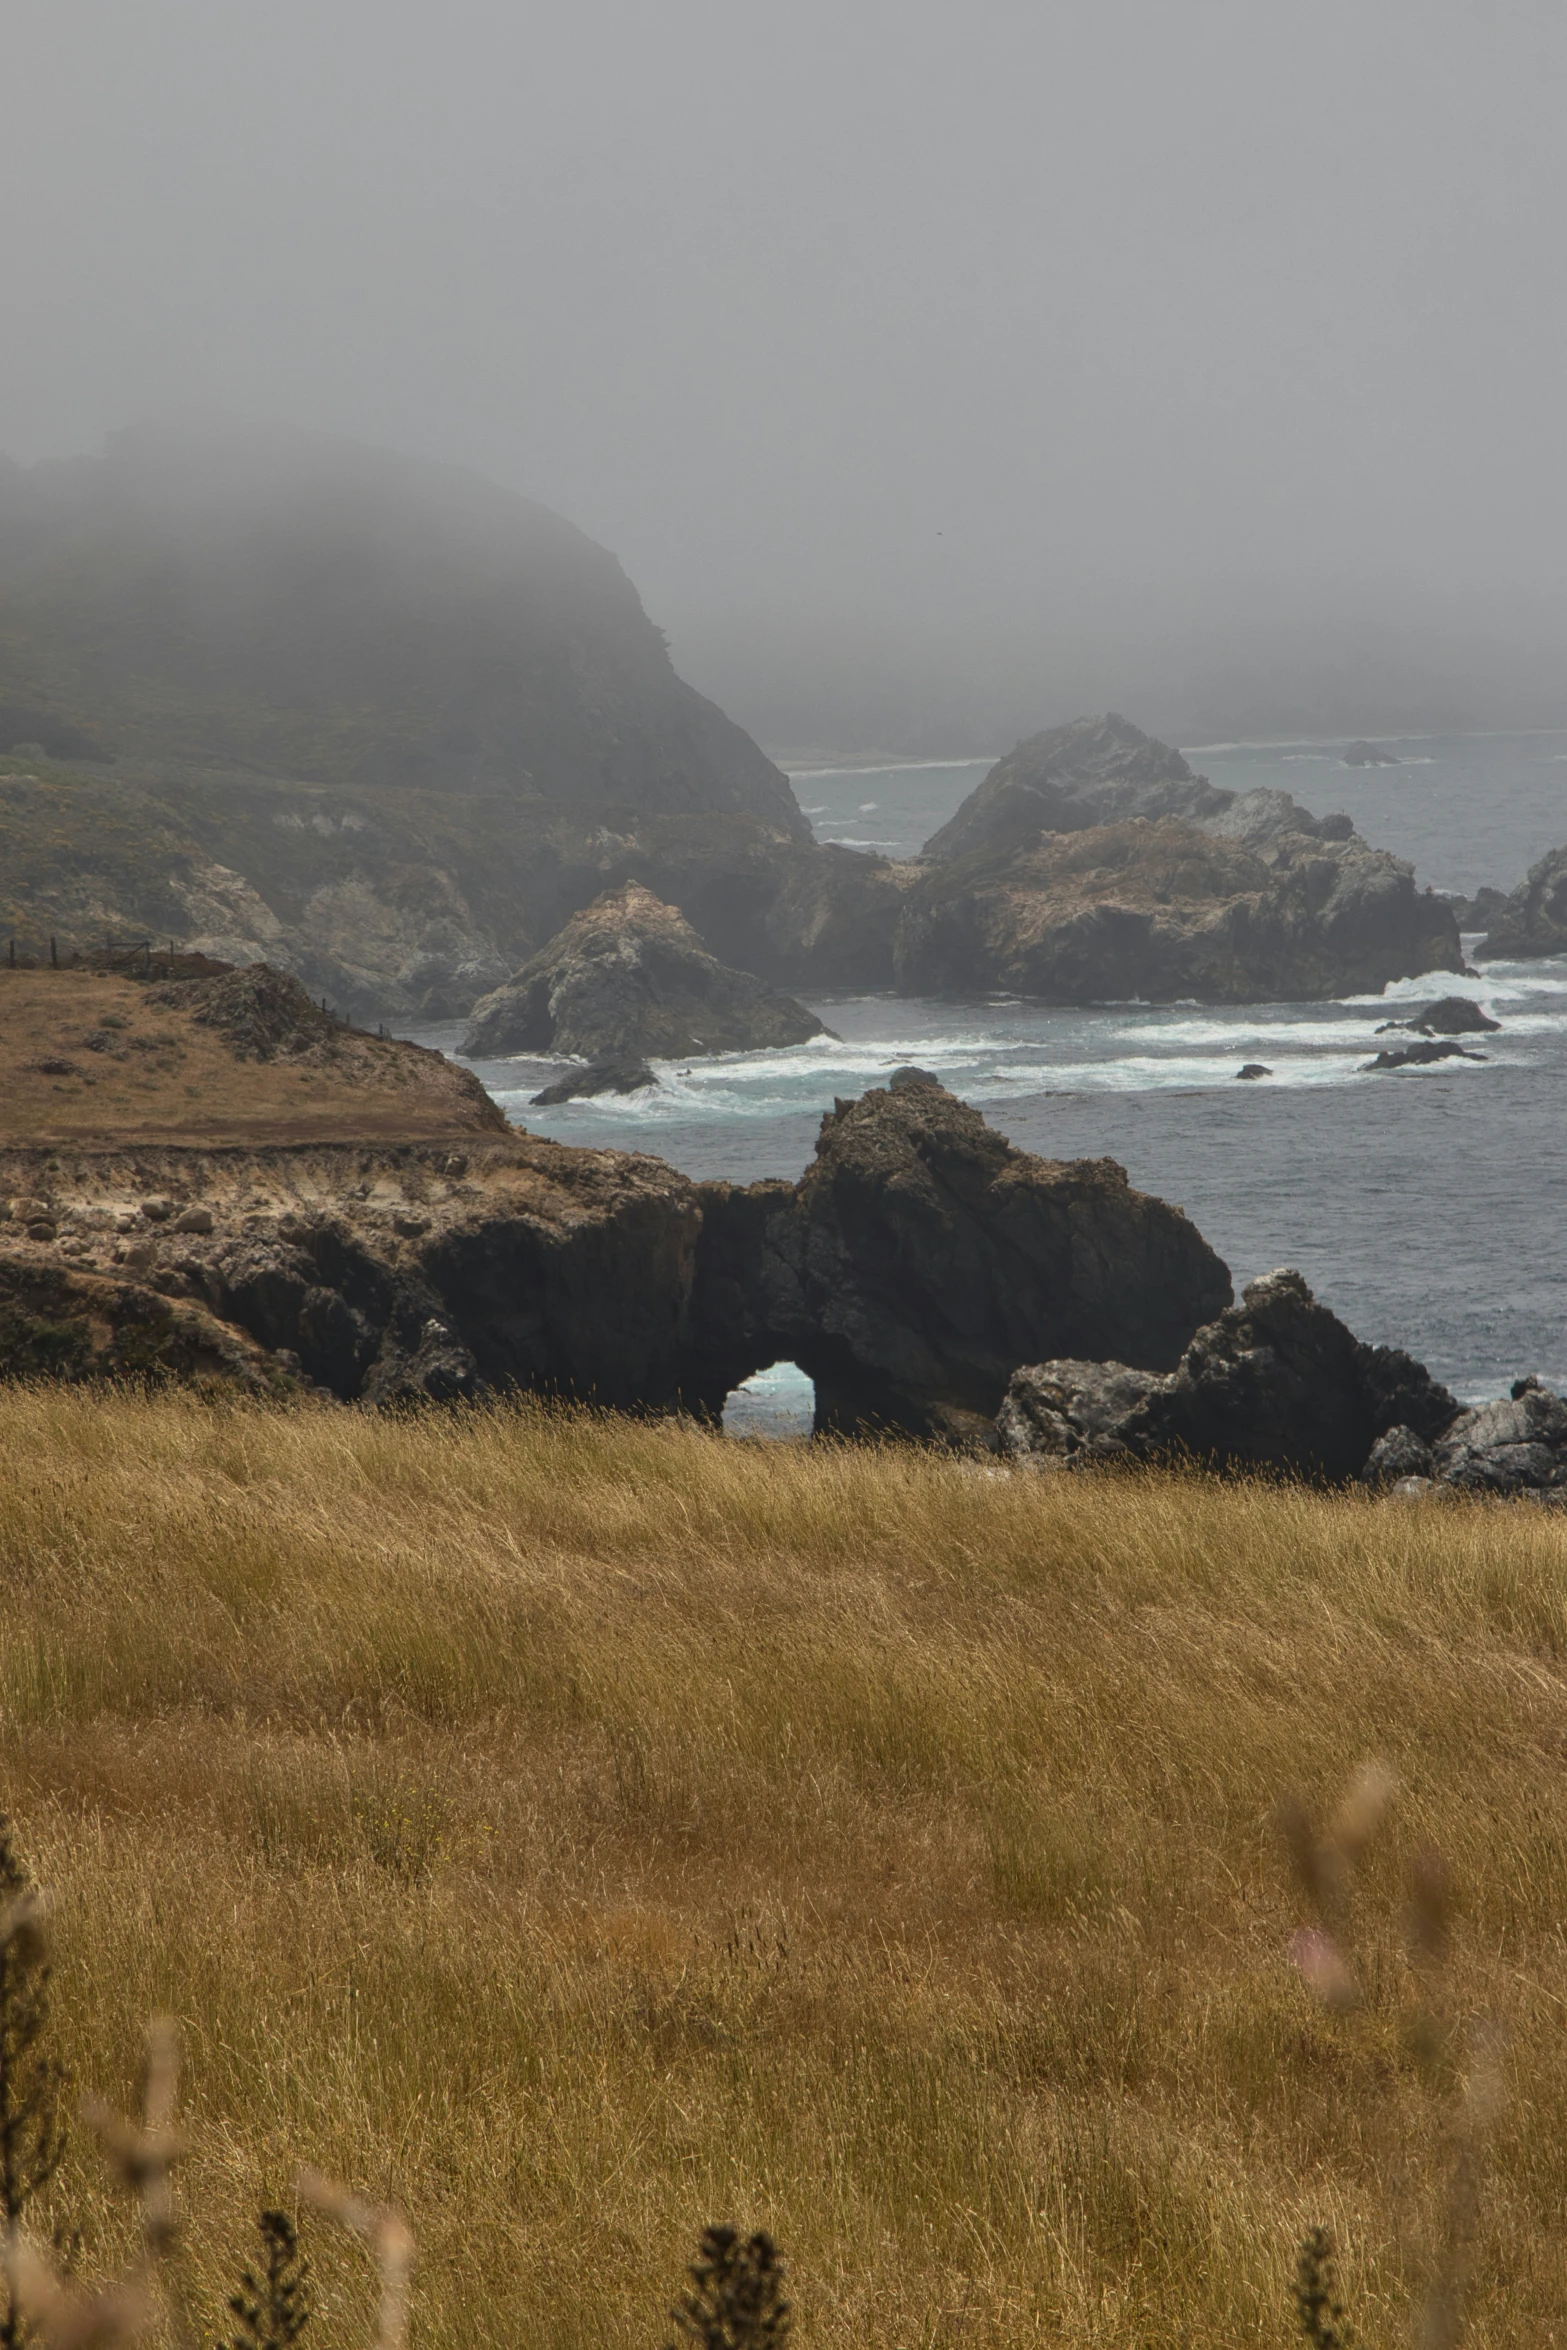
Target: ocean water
(1427, 1207)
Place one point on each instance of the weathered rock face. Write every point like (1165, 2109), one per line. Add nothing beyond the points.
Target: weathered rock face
(627, 979)
(598, 1077)
(1170, 909)
(921, 1256)
(1094, 864)
(1277, 1382)
(1533, 921)
(1095, 771)
(907, 1272)
(375, 1273)
(1516, 1446)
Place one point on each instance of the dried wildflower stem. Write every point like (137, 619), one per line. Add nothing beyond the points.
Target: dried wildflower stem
(144, 2156)
(1442, 2319)
(389, 2238)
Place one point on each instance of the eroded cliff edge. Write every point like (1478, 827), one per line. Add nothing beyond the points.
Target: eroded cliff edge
(917, 1262)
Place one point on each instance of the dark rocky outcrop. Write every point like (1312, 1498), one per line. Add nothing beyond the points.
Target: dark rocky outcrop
(1454, 1015)
(598, 1077)
(628, 978)
(1254, 1069)
(1478, 912)
(921, 1256)
(1277, 1382)
(1420, 1056)
(1094, 864)
(1095, 771)
(1533, 921)
(916, 1261)
(1167, 910)
(1369, 755)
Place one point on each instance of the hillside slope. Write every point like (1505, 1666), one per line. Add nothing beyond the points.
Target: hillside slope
(375, 719)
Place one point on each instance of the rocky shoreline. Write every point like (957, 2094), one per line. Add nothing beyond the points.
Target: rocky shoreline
(915, 1263)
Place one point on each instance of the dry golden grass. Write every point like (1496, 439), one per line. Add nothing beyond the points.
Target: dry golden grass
(575, 1830)
(166, 1079)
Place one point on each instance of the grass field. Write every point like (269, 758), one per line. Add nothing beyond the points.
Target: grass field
(577, 1831)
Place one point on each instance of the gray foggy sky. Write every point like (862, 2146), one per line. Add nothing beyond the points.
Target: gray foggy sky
(935, 369)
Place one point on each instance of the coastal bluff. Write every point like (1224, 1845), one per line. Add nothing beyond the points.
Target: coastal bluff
(916, 1263)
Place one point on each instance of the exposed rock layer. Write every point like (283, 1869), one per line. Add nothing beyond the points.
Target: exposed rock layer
(628, 978)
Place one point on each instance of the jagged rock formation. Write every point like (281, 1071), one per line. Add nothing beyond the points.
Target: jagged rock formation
(1533, 921)
(1516, 1446)
(908, 1267)
(1453, 1015)
(628, 979)
(1094, 864)
(1279, 1383)
(1168, 909)
(1420, 1056)
(1276, 1382)
(913, 1264)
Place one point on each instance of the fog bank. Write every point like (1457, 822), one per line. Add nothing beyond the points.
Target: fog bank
(935, 371)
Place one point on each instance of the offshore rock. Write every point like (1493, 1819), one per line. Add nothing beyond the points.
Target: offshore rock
(921, 1255)
(1168, 909)
(599, 1077)
(1454, 1015)
(1092, 864)
(1092, 772)
(1369, 755)
(1480, 911)
(1420, 1056)
(1533, 921)
(629, 979)
(1277, 1383)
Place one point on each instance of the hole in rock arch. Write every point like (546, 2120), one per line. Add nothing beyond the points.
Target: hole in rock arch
(779, 1402)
